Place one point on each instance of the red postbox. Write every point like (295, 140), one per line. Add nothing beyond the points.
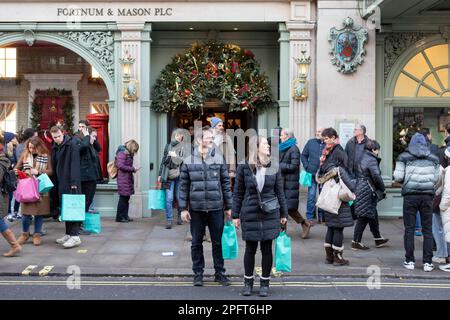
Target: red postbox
(100, 121)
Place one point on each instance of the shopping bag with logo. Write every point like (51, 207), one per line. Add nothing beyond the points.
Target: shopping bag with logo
(156, 199)
(27, 190)
(305, 178)
(73, 207)
(283, 253)
(92, 222)
(45, 184)
(230, 248)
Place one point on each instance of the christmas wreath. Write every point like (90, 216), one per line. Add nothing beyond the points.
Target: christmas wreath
(212, 70)
(36, 107)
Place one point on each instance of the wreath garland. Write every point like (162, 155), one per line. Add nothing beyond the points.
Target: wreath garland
(212, 70)
(36, 107)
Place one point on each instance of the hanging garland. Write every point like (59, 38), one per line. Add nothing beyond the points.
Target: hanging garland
(214, 70)
(36, 107)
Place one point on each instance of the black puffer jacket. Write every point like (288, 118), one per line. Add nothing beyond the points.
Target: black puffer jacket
(338, 158)
(205, 184)
(368, 173)
(256, 225)
(89, 161)
(355, 151)
(290, 170)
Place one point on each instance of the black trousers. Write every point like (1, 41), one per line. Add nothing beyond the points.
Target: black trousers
(361, 224)
(424, 205)
(335, 236)
(73, 228)
(266, 260)
(88, 188)
(122, 207)
(215, 223)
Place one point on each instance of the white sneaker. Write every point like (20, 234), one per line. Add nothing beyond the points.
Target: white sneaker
(438, 260)
(428, 267)
(10, 217)
(72, 242)
(63, 239)
(445, 268)
(409, 265)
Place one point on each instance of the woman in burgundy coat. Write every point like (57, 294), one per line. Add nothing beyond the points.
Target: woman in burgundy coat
(125, 179)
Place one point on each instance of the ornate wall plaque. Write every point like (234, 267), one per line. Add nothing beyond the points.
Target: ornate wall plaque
(347, 46)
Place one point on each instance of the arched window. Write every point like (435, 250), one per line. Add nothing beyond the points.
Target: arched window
(426, 74)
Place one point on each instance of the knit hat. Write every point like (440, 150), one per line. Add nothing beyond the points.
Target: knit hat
(418, 138)
(8, 137)
(447, 152)
(215, 122)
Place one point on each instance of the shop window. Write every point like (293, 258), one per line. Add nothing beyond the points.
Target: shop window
(8, 116)
(425, 75)
(8, 62)
(99, 107)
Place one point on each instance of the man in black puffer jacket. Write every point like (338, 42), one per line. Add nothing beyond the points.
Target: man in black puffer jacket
(205, 191)
(369, 188)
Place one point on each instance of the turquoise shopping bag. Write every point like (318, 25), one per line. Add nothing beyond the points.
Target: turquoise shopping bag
(283, 252)
(156, 199)
(45, 184)
(92, 222)
(73, 207)
(305, 178)
(230, 248)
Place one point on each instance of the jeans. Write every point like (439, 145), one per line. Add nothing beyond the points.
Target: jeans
(266, 259)
(361, 224)
(3, 225)
(215, 223)
(411, 205)
(88, 188)
(311, 202)
(38, 222)
(442, 247)
(16, 204)
(335, 236)
(174, 188)
(122, 207)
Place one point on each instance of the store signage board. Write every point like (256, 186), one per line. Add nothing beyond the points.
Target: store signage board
(345, 130)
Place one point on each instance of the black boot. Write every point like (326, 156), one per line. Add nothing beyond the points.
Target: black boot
(264, 287)
(248, 286)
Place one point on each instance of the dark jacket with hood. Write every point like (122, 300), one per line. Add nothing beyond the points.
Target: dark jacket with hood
(168, 162)
(204, 183)
(290, 171)
(337, 158)
(256, 225)
(66, 165)
(369, 180)
(355, 151)
(311, 155)
(125, 170)
(417, 168)
(89, 161)
(4, 166)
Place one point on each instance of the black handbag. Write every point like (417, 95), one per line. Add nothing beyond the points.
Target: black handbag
(268, 206)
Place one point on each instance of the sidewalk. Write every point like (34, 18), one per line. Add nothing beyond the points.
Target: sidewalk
(135, 249)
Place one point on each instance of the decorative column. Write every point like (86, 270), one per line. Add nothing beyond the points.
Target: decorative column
(284, 75)
(130, 111)
(302, 113)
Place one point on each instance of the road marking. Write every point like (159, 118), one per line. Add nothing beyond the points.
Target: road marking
(45, 271)
(82, 251)
(27, 270)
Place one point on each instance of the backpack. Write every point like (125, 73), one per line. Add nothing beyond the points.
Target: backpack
(9, 181)
(112, 169)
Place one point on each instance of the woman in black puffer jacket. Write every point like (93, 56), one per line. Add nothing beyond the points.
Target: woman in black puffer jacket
(370, 187)
(257, 226)
(334, 158)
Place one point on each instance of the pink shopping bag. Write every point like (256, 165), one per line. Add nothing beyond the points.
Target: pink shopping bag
(27, 190)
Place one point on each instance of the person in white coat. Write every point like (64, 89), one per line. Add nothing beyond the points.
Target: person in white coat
(442, 230)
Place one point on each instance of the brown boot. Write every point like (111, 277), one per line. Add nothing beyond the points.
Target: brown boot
(329, 251)
(15, 246)
(338, 257)
(306, 227)
(37, 239)
(24, 236)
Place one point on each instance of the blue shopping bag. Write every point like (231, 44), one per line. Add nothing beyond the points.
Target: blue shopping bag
(156, 199)
(230, 248)
(305, 178)
(92, 223)
(45, 184)
(73, 207)
(283, 253)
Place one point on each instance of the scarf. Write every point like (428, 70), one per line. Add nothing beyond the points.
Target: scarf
(288, 144)
(39, 163)
(327, 150)
(260, 177)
